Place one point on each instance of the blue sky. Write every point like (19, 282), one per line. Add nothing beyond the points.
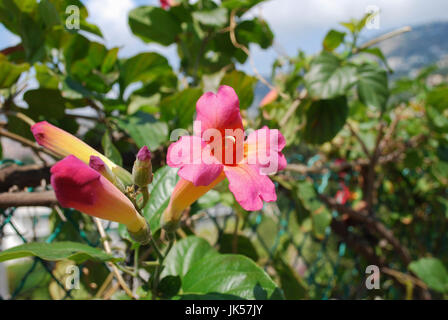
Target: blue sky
(295, 23)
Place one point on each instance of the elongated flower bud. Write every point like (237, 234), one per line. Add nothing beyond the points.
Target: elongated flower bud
(63, 143)
(80, 187)
(184, 194)
(142, 170)
(99, 166)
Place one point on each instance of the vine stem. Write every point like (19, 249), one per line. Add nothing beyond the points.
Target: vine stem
(145, 193)
(108, 249)
(161, 258)
(235, 43)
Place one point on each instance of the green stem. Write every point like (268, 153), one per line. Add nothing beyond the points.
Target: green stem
(136, 254)
(145, 194)
(125, 270)
(156, 248)
(161, 258)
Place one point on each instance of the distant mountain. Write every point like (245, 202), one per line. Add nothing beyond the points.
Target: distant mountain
(425, 45)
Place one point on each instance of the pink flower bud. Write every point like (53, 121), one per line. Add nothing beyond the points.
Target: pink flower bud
(142, 169)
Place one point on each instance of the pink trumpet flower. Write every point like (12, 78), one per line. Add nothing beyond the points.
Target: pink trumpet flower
(218, 151)
(82, 188)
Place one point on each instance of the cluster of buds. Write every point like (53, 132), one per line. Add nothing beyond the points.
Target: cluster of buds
(89, 182)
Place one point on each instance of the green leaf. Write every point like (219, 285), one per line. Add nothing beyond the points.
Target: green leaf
(204, 271)
(46, 77)
(56, 251)
(438, 98)
(185, 253)
(432, 272)
(333, 39)
(240, 4)
(243, 246)
(169, 286)
(146, 104)
(145, 130)
(254, 31)
(161, 188)
(153, 24)
(49, 14)
(320, 216)
(378, 53)
(47, 103)
(145, 67)
(244, 86)
(180, 107)
(324, 119)
(328, 77)
(110, 151)
(217, 17)
(10, 72)
(90, 27)
(372, 86)
(229, 274)
(109, 60)
(292, 284)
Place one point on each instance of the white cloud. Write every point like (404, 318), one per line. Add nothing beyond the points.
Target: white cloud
(303, 23)
(112, 18)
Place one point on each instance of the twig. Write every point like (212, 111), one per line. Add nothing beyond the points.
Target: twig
(27, 199)
(373, 225)
(383, 37)
(289, 112)
(357, 137)
(60, 213)
(235, 43)
(21, 116)
(23, 176)
(113, 266)
(26, 142)
(400, 276)
(104, 286)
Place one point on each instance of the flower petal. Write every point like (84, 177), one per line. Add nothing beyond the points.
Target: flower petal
(184, 194)
(263, 148)
(219, 111)
(80, 187)
(193, 157)
(249, 187)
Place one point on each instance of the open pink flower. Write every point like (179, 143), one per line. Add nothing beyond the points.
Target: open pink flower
(80, 187)
(218, 151)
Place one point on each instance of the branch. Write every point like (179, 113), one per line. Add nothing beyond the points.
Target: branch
(373, 225)
(235, 43)
(27, 199)
(382, 38)
(108, 249)
(26, 142)
(361, 142)
(356, 243)
(23, 176)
